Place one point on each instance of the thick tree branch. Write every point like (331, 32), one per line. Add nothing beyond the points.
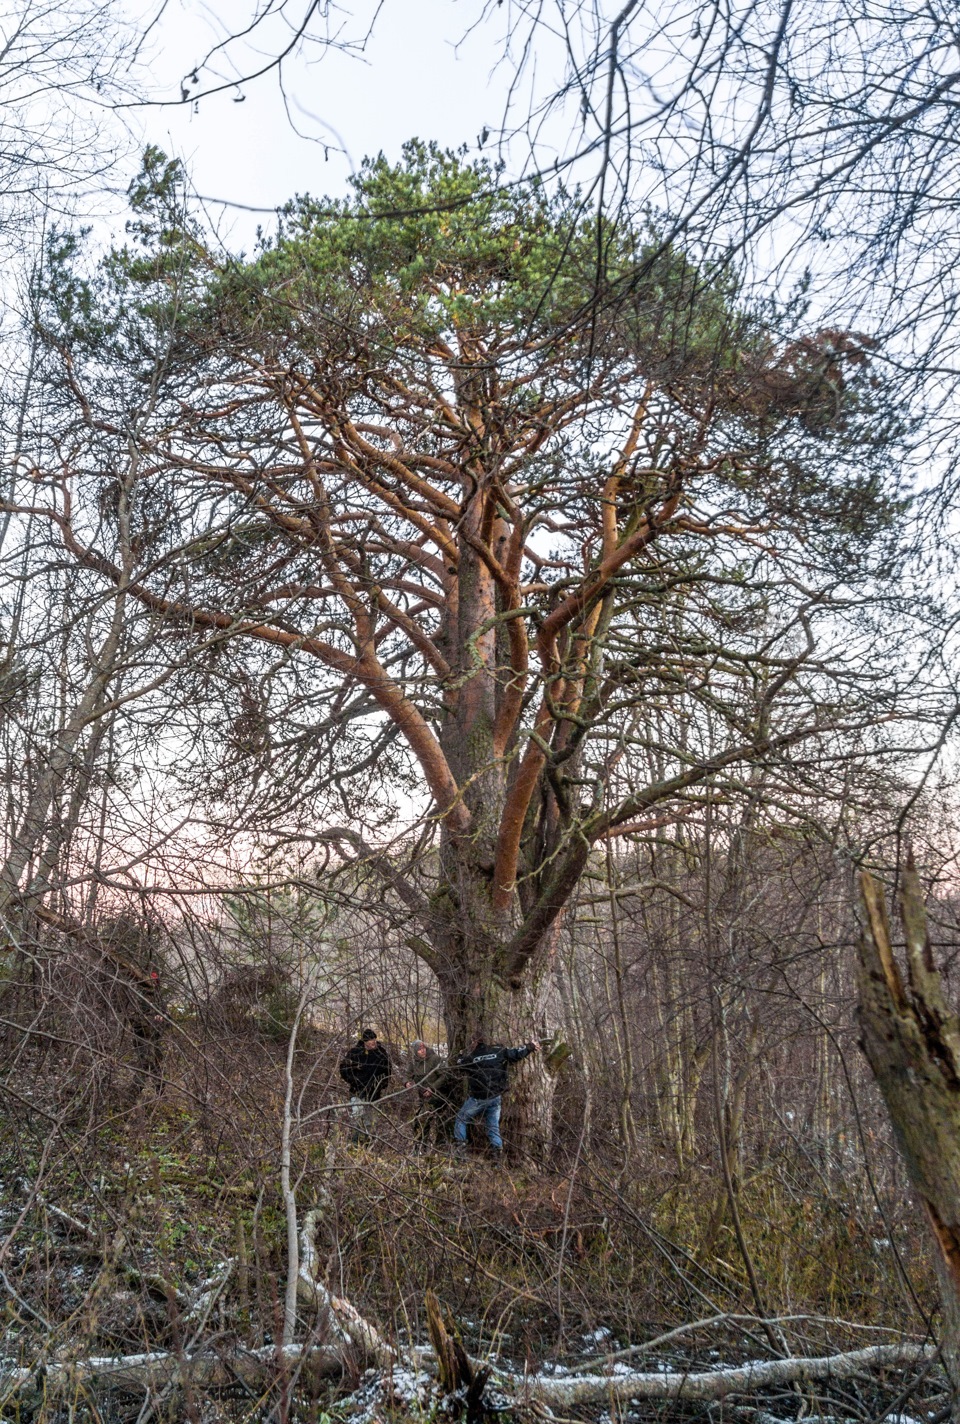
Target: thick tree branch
(535, 754)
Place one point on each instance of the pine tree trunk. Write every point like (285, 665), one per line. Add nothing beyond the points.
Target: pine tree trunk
(480, 1002)
(479, 1005)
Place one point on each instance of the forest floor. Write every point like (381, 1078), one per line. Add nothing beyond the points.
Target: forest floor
(159, 1227)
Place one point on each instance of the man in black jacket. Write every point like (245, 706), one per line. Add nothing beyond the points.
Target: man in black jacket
(366, 1070)
(486, 1070)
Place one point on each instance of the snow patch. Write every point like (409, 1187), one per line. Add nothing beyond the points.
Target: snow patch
(596, 1337)
(379, 1391)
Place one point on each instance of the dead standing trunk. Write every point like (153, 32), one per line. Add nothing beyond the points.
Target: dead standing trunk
(912, 1042)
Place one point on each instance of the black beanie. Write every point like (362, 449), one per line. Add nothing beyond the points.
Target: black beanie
(367, 1035)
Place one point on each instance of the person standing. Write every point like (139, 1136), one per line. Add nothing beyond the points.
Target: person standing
(429, 1074)
(148, 1019)
(486, 1069)
(365, 1069)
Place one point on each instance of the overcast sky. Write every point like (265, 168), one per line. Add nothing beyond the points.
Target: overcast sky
(431, 69)
(420, 74)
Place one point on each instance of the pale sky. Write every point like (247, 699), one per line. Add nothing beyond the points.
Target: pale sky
(418, 76)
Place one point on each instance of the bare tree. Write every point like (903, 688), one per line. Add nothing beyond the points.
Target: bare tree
(62, 67)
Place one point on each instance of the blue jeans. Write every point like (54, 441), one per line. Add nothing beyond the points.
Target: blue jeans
(489, 1108)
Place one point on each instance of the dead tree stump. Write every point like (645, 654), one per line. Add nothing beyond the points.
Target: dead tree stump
(455, 1370)
(912, 1043)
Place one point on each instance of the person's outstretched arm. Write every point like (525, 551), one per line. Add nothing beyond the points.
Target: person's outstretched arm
(514, 1055)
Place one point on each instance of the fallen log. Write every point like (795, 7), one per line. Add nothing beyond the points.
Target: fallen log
(566, 1391)
(206, 1368)
(155, 1368)
(341, 1318)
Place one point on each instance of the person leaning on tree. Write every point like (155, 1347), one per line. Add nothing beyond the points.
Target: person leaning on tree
(486, 1069)
(366, 1069)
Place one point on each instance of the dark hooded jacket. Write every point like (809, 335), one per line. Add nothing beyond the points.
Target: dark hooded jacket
(486, 1068)
(366, 1074)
